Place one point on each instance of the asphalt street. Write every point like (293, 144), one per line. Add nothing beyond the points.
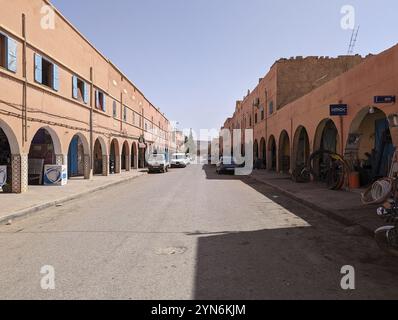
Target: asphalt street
(189, 234)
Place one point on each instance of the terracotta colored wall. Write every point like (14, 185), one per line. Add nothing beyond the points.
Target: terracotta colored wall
(377, 75)
(58, 110)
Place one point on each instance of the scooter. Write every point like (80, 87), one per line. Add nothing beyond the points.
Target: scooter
(387, 236)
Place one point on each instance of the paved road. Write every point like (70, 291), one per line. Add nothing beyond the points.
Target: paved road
(189, 234)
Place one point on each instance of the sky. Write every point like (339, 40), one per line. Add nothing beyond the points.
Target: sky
(195, 58)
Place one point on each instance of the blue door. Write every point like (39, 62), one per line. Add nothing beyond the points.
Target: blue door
(384, 148)
(73, 157)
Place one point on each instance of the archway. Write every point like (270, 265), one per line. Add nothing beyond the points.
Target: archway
(99, 154)
(44, 149)
(5, 163)
(114, 157)
(272, 153)
(255, 150)
(77, 164)
(141, 156)
(370, 147)
(327, 137)
(284, 152)
(125, 156)
(263, 152)
(134, 156)
(301, 147)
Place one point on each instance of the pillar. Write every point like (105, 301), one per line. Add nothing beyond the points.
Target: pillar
(61, 159)
(88, 172)
(117, 163)
(127, 160)
(105, 165)
(19, 173)
(135, 164)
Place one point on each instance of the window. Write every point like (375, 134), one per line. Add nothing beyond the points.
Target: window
(100, 101)
(3, 51)
(271, 107)
(79, 90)
(114, 111)
(250, 121)
(255, 118)
(8, 53)
(262, 113)
(46, 72)
(125, 114)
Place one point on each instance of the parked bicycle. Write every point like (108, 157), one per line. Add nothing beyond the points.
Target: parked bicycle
(387, 236)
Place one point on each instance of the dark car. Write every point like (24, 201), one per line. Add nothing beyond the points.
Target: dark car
(226, 165)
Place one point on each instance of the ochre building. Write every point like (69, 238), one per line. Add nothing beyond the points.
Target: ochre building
(289, 112)
(63, 102)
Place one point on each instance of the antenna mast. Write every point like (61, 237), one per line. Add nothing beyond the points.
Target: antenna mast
(353, 41)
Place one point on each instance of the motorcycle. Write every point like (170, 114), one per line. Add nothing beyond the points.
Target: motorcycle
(387, 236)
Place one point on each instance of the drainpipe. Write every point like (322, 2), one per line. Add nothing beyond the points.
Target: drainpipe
(291, 146)
(342, 135)
(266, 129)
(25, 84)
(121, 112)
(91, 122)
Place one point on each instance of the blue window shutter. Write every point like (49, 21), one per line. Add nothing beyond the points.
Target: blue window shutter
(86, 93)
(55, 77)
(74, 87)
(38, 68)
(12, 47)
(104, 102)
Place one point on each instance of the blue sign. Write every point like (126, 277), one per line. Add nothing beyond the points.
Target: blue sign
(338, 110)
(384, 99)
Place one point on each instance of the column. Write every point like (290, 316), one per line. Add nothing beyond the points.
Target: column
(105, 165)
(117, 163)
(88, 173)
(19, 173)
(128, 162)
(61, 159)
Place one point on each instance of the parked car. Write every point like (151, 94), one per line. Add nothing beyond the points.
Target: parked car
(226, 164)
(158, 163)
(179, 160)
(188, 159)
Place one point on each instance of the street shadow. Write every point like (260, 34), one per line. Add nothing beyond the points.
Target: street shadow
(296, 262)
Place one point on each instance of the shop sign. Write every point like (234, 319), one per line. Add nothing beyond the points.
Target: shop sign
(384, 99)
(338, 110)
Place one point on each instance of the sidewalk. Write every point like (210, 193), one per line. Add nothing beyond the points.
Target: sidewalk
(42, 197)
(344, 206)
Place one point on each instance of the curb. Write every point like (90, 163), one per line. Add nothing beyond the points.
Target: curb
(326, 212)
(28, 211)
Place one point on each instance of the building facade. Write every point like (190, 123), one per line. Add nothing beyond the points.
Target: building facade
(63, 102)
(289, 112)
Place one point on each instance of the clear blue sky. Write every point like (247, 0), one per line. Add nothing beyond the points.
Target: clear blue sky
(195, 58)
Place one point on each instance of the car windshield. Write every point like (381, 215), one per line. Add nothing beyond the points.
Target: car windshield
(156, 157)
